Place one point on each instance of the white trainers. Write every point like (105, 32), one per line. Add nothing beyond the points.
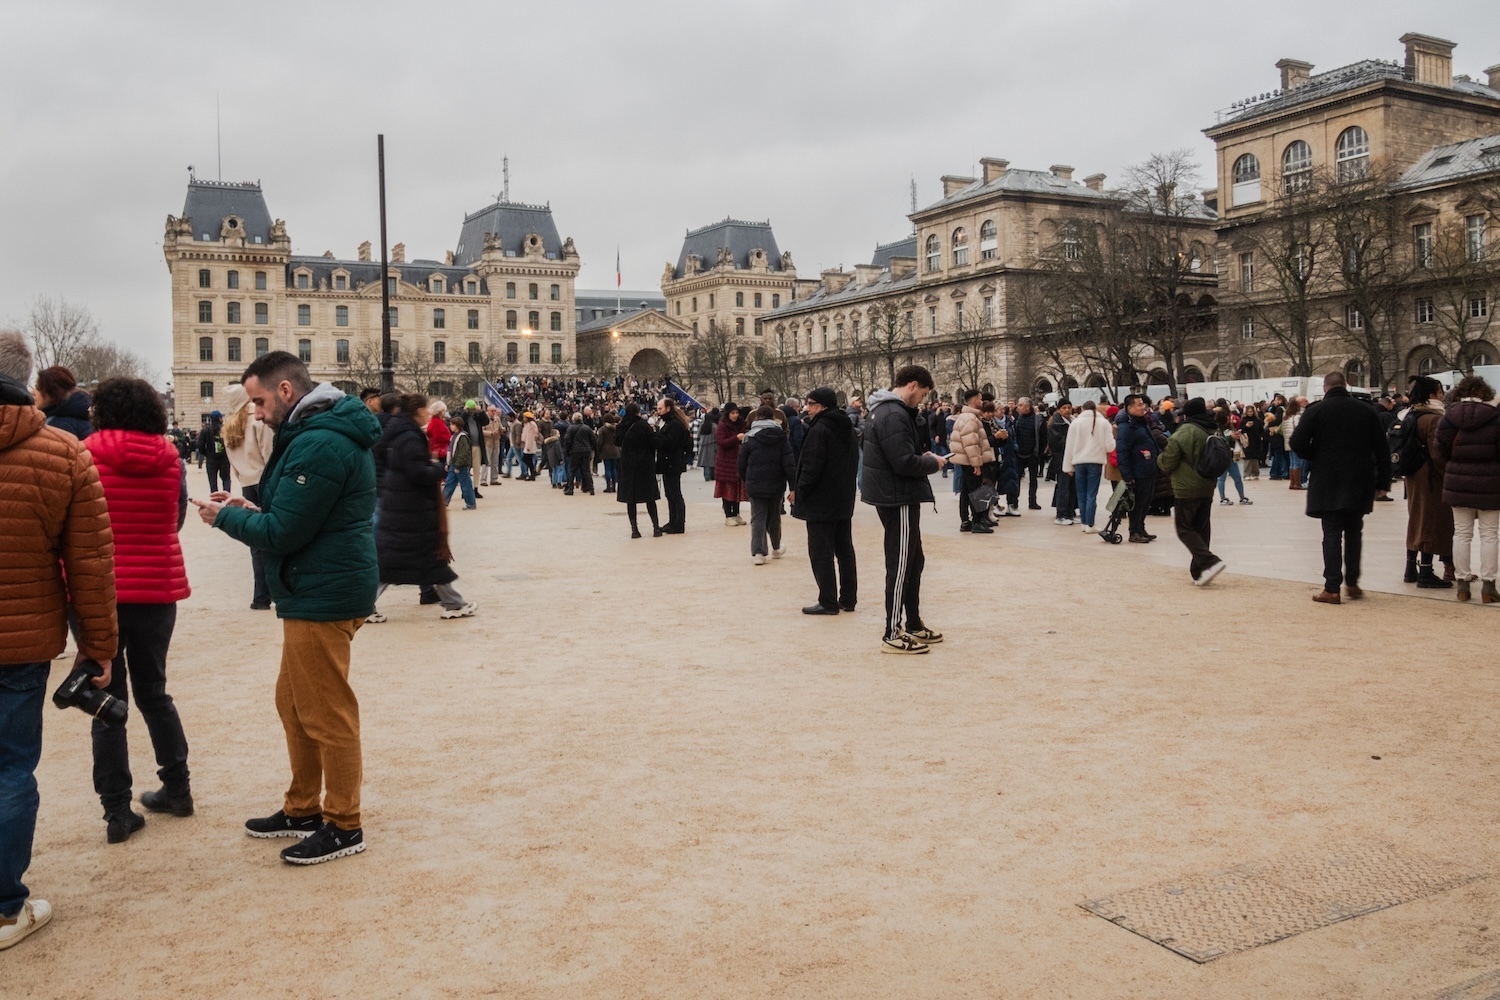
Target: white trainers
(740, 520)
(778, 553)
(760, 560)
(376, 619)
(1209, 574)
(1089, 529)
(33, 917)
(903, 643)
(730, 522)
(467, 611)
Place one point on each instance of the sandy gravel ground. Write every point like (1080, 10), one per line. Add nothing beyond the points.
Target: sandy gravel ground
(640, 772)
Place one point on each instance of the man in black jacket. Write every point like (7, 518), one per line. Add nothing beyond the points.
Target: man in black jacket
(1341, 437)
(823, 496)
(897, 462)
(1031, 448)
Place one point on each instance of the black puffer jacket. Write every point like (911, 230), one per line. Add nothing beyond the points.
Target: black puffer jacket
(1340, 438)
(766, 462)
(408, 533)
(827, 469)
(1468, 437)
(896, 459)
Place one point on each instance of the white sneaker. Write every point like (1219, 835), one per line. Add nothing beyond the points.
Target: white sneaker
(760, 560)
(376, 619)
(778, 553)
(467, 611)
(1089, 529)
(1209, 574)
(1063, 520)
(33, 917)
(730, 522)
(740, 520)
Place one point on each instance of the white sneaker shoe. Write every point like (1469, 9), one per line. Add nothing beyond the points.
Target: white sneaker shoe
(730, 522)
(778, 553)
(1208, 574)
(1089, 529)
(760, 560)
(467, 611)
(740, 520)
(376, 619)
(33, 917)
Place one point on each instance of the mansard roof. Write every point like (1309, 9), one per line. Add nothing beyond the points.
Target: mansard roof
(1457, 160)
(900, 248)
(740, 238)
(1320, 86)
(210, 202)
(1025, 182)
(878, 287)
(512, 222)
(363, 272)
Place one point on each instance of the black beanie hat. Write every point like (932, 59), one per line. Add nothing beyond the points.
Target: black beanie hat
(824, 397)
(1195, 407)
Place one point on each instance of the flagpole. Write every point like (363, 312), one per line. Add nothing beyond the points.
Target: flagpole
(617, 279)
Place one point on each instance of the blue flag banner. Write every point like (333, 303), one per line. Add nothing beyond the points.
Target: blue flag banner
(681, 395)
(492, 396)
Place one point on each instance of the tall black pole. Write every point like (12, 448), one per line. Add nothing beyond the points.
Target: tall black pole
(387, 376)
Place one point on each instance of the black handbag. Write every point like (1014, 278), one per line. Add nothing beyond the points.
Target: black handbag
(984, 500)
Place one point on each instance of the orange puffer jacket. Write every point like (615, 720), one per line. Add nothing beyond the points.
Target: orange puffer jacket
(52, 519)
(968, 441)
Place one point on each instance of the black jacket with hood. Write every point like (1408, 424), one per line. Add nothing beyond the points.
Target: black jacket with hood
(896, 458)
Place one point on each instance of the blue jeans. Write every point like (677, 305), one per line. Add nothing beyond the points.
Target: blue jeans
(1233, 472)
(560, 473)
(611, 472)
(23, 690)
(461, 480)
(510, 458)
(1279, 464)
(1086, 479)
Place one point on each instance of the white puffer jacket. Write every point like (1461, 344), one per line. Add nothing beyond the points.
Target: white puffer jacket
(1091, 437)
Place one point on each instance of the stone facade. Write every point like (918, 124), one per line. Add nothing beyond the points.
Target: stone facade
(501, 303)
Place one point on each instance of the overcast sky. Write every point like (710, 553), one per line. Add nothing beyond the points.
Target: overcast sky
(635, 120)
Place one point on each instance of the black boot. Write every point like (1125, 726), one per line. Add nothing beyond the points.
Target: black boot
(121, 824)
(167, 801)
(1428, 580)
(1411, 568)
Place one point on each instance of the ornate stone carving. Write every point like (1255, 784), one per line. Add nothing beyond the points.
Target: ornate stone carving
(278, 232)
(786, 260)
(568, 250)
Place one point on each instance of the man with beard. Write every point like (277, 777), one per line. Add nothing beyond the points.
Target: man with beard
(823, 496)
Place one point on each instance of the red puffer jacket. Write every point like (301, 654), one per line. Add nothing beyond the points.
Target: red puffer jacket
(142, 479)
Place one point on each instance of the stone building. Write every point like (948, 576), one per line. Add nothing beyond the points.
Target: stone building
(946, 297)
(1358, 213)
(502, 301)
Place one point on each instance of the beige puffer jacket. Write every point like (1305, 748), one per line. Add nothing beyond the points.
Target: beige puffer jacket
(969, 442)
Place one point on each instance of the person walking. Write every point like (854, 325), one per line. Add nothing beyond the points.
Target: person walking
(969, 450)
(823, 487)
(728, 488)
(145, 487)
(1136, 453)
(411, 540)
(637, 483)
(1090, 440)
(766, 465)
(1193, 509)
(897, 462)
(460, 462)
(579, 444)
(59, 557)
(1468, 443)
(1342, 438)
(247, 445)
(1429, 521)
(318, 493)
(475, 421)
(674, 446)
(1063, 500)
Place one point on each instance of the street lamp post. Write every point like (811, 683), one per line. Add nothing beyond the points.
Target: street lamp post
(387, 374)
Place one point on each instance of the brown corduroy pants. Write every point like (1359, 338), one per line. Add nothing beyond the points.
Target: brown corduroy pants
(321, 717)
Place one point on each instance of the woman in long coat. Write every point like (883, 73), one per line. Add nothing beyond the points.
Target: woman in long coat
(728, 433)
(637, 469)
(707, 446)
(1429, 521)
(411, 539)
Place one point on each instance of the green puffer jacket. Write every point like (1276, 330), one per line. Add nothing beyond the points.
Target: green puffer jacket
(1180, 460)
(316, 496)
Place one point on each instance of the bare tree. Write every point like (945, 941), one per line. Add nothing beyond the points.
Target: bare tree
(1464, 279)
(59, 329)
(1091, 294)
(968, 343)
(712, 358)
(362, 364)
(774, 364)
(1375, 266)
(891, 338)
(97, 360)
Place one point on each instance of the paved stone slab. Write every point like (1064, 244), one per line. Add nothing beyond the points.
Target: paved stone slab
(1485, 987)
(1204, 917)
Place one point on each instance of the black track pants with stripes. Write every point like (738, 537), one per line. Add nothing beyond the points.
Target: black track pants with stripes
(903, 567)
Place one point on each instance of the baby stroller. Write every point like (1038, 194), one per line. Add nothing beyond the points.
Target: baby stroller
(1119, 506)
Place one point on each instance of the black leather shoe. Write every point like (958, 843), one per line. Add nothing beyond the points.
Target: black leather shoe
(657, 532)
(846, 607)
(122, 824)
(163, 801)
(818, 609)
(429, 597)
(1142, 539)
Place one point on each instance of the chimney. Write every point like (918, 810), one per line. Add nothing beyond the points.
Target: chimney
(902, 267)
(1428, 60)
(993, 169)
(836, 279)
(364, 250)
(1094, 182)
(1494, 74)
(398, 253)
(953, 185)
(1294, 73)
(1061, 171)
(866, 273)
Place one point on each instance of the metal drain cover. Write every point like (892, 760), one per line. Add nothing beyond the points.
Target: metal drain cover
(1204, 917)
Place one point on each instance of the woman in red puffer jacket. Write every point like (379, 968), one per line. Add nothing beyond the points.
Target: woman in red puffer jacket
(145, 487)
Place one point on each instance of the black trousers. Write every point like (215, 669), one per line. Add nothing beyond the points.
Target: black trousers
(1145, 489)
(829, 542)
(1194, 530)
(1028, 465)
(1343, 542)
(218, 470)
(903, 567)
(145, 634)
(262, 592)
(971, 481)
(1062, 491)
(579, 473)
(671, 488)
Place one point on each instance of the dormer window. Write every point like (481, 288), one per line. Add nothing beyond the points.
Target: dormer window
(303, 279)
(436, 286)
(471, 287)
(340, 282)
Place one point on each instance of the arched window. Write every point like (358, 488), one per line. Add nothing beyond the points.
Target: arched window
(262, 347)
(1296, 166)
(1354, 371)
(1192, 374)
(989, 244)
(934, 253)
(1245, 176)
(1095, 382)
(1480, 354)
(1428, 365)
(960, 247)
(533, 321)
(1247, 370)
(1351, 154)
(1041, 388)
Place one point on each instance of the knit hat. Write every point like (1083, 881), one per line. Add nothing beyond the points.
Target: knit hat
(1196, 406)
(1112, 412)
(1167, 404)
(470, 404)
(824, 397)
(235, 396)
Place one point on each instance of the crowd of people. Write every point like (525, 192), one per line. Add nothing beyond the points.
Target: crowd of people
(342, 497)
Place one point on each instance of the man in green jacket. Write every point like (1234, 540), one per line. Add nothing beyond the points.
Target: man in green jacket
(1193, 506)
(317, 494)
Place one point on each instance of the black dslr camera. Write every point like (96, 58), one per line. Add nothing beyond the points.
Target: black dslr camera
(77, 692)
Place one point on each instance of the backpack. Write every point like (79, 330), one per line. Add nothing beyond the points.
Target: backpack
(1408, 450)
(1215, 459)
